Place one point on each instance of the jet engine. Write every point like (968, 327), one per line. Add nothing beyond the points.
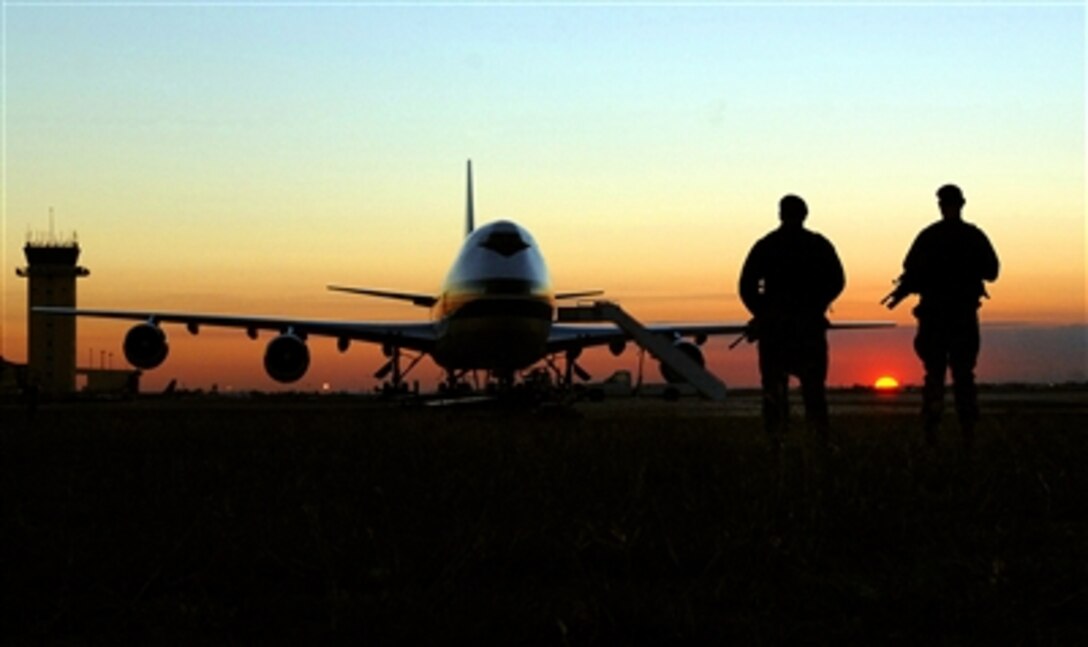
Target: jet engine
(145, 346)
(689, 349)
(286, 358)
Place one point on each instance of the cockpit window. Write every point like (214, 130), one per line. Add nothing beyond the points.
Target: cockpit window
(506, 243)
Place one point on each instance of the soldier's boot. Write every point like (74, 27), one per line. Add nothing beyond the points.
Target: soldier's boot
(966, 411)
(776, 413)
(931, 421)
(967, 430)
(818, 427)
(932, 407)
(814, 395)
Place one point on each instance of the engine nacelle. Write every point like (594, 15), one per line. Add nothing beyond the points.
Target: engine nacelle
(286, 358)
(145, 346)
(689, 349)
(617, 347)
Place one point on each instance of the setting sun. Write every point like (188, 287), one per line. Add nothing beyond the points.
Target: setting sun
(886, 383)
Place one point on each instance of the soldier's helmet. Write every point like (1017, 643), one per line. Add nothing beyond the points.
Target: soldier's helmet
(951, 194)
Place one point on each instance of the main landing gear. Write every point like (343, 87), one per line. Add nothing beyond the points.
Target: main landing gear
(393, 370)
(564, 377)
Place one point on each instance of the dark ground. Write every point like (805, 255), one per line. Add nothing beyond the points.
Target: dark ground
(279, 520)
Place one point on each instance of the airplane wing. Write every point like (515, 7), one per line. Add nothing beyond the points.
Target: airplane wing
(424, 300)
(412, 335)
(565, 337)
(428, 301)
(561, 296)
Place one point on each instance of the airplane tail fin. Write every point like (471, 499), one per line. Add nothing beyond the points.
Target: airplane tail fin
(470, 215)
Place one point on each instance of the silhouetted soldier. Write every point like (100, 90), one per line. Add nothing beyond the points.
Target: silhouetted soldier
(789, 280)
(946, 266)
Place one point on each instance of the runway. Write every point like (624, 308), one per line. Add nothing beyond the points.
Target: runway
(294, 519)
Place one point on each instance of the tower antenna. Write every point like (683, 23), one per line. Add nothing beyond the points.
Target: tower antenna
(470, 208)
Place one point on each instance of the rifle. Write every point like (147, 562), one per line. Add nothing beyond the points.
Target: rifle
(899, 293)
(749, 334)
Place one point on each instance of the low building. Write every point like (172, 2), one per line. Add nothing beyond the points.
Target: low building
(108, 381)
(13, 377)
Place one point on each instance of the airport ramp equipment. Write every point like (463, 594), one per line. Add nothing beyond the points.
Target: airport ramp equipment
(661, 347)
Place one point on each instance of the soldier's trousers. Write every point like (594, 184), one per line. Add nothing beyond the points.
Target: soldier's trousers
(790, 349)
(948, 340)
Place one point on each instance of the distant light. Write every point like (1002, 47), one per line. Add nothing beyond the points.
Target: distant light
(325, 386)
(886, 383)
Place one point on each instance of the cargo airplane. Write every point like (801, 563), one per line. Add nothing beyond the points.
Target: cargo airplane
(495, 312)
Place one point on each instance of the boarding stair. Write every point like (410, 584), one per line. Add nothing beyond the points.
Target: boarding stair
(658, 345)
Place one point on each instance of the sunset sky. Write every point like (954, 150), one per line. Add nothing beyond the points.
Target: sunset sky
(239, 157)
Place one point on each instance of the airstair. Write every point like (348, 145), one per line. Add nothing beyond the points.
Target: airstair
(660, 346)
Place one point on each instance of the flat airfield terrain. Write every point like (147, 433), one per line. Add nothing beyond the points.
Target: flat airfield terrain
(298, 519)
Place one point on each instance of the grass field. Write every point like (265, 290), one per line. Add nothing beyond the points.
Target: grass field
(294, 520)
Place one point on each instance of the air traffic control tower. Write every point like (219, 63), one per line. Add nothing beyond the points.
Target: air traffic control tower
(51, 341)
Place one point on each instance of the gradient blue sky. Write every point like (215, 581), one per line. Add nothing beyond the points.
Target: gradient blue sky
(241, 156)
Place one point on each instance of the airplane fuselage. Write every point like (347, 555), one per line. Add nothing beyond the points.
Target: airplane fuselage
(496, 306)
